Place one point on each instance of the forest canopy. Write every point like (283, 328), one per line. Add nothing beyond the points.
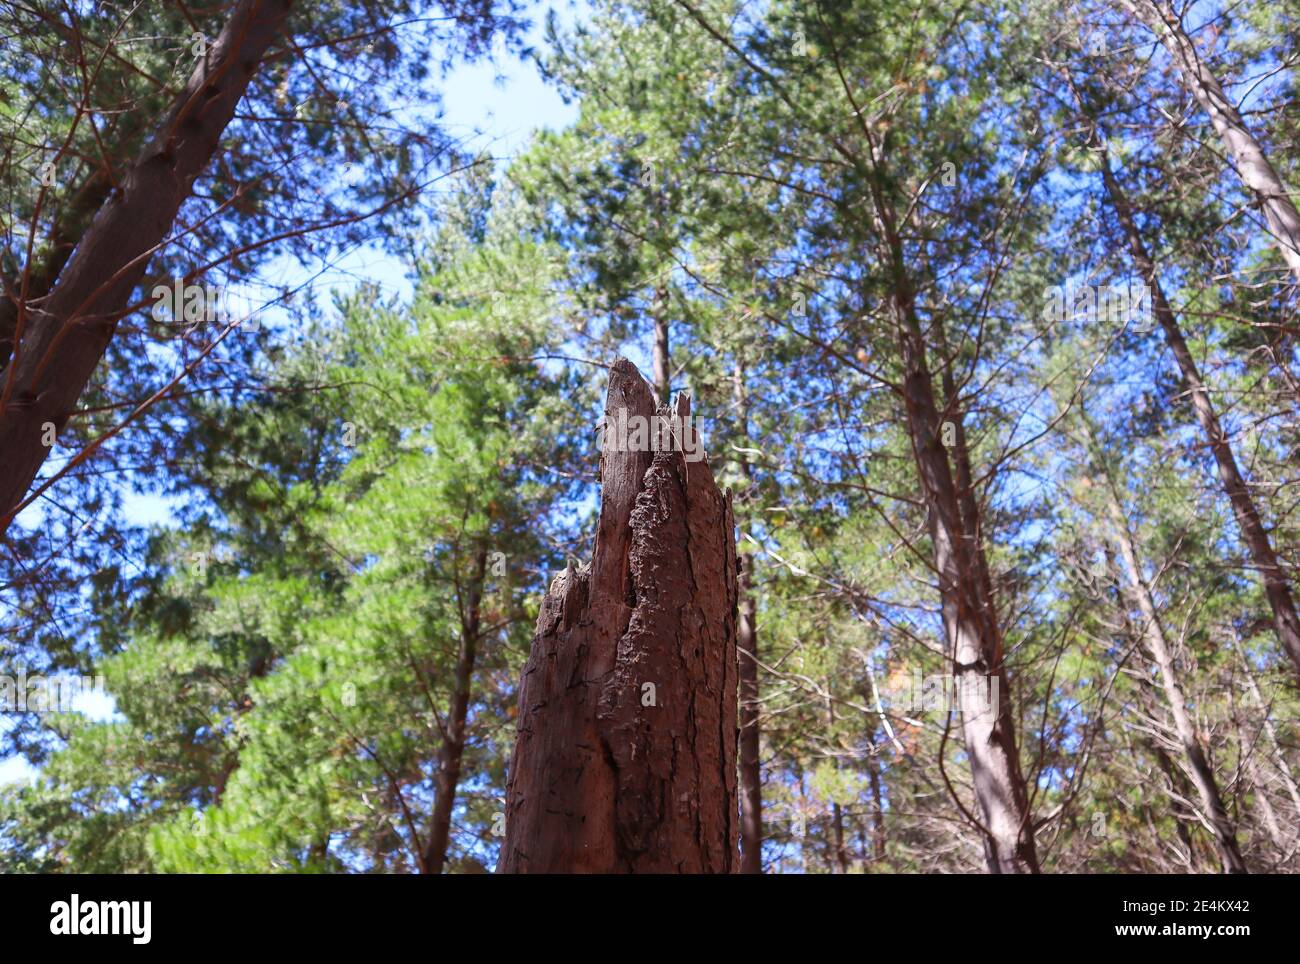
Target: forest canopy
(985, 314)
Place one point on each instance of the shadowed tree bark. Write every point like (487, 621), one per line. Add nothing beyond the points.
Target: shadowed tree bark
(625, 756)
(662, 370)
(453, 743)
(56, 347)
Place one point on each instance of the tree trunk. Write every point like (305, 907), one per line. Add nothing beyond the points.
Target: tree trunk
(58, 346)
(625, 756)
(1153, 633)
(1283, 768)
(970, 623)
(1246, 152)
(662, 370)
(878, 814)
(34, 281)
(1176, 787)
(1271, 823)
(453, 744)
(841, 851)
(751, 777)
(1285, 620)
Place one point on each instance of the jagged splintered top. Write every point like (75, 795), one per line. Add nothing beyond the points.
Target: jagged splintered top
(623, 470)
(625, 756)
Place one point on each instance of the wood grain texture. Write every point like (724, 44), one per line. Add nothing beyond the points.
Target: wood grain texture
(603, 779)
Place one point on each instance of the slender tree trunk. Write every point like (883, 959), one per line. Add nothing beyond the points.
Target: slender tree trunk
(970, 623)
(1279, 760)
(625, 756)
(1176, 781)
(841, 851)
(453, 745)
(1246, 152)
(1153, 633)
(837, 811)
(878, 815)
(1271, 823)
(751, 777)
(662, 370)
(57, 347)
(1286, 622)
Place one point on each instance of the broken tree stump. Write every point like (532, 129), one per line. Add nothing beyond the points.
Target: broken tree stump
(625, 752)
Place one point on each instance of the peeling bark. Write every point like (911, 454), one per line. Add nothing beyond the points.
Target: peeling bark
(607, 775)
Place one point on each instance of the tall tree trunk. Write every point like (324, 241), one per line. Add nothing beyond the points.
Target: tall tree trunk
(1246, 152)
(625, 755)
(837, 811)
(1279, 760)
(662, 370)
(1285, 620)
(453, 744)
(751, 777)
(1271, 823)
(841, 851)
(1176, 786)
(878, 814)
(57, 347)
(1153, 634)
(970, 622)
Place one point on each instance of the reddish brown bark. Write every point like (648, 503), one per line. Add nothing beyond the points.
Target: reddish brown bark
(453, 744)
(57, 347)
(601, 782)
(751, 781)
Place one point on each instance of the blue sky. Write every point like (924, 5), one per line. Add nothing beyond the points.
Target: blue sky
(497, 105)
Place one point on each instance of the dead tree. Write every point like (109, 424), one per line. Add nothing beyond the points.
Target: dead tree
(625, 755)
